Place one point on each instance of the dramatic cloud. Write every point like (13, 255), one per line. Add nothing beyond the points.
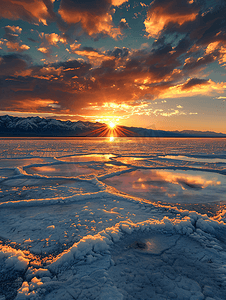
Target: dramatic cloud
(12, 41)
(194, 82)
(50, 40)
(217, 50)
(164, 12)
(92, 17)
(122, 79)
(53, 38)
(16, 47)
(12, 32)
(32, 11)
(203, 24)
(11, 64)
(195, 87)
(94, 56)
(43, 50)
(92, 77)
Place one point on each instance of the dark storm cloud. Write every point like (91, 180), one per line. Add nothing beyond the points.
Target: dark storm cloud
(119, 52)
(194, 30)
(25, 87)
(194, 63)
(194, 82)
(201, 21)
(97, 7)
(210, 24)
(13, 63)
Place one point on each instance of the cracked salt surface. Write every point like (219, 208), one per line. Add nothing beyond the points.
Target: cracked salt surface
(170, 267)
(94, 219)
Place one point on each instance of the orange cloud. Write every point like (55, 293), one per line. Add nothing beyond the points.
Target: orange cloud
(15, 46)
(52, 38)
(94, 17)
(118, 2)
(161, 13)
(33, 11)
(120, 81)
(74, 46)
(90, 23)
(94, 57)
(13, 28)
(11, 39)
(194, 87)
(43, 50)
(36, 105)
(220, 49)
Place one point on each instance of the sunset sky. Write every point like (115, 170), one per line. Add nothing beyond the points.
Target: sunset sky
(156, 64)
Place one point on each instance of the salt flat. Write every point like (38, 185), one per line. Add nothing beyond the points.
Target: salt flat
(127, 218)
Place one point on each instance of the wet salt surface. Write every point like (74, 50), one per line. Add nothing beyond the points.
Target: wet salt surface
(87, 157)
(171, 186)
(112, 219)
(20, 162)
(67, 170)
(197, 159)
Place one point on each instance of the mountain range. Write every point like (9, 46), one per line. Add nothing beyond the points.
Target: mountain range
(41, 127)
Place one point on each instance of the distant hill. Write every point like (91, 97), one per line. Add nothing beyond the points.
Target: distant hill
(41, 127)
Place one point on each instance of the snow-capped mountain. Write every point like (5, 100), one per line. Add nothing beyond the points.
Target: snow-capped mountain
(35, 126)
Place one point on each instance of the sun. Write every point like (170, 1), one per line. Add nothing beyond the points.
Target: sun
(112, 125)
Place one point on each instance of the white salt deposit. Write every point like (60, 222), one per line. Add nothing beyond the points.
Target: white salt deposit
(93, 219)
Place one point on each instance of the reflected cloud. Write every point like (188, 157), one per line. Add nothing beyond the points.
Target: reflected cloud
(188, 181)
(43, 169)
(196, 159)
(87, 158)
(170, 186)
(67, 170)
(129, 160)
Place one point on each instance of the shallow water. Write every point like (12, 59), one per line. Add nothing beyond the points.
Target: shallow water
(197, 159)
(172, 186)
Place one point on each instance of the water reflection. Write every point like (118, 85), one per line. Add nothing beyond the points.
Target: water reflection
(87, 158)
(195, 159)
(172, 186)
(20, 162)
(66, 170)
(129, 160)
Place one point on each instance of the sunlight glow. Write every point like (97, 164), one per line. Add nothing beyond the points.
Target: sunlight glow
(112, 125)
(110, 129)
